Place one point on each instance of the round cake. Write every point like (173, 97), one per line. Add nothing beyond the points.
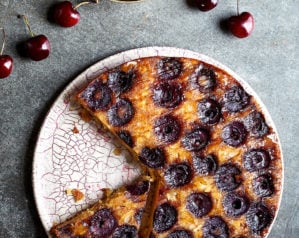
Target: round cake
(211, 157)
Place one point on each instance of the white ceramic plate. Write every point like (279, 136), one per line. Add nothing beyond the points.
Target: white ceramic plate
(87, 160)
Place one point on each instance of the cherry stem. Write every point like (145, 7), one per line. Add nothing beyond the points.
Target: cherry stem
(83, 3)
(238, 13)
(26, 21)
(4, 39)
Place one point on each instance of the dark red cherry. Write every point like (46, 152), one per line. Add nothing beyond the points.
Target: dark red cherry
(97, 95)
(215, 227)
(256, 159)
(258, 217)
(167, 94)
(234, 133)
(37, 47)
(169, 68)
(65, 15)
(199, 204)
(256, 125)
(6, 62)
(152, 157)
(120, 81)
(226, 177)
(209, 111)
(6, 65)
(165, 217)
(167, 129)
(241, 25)
(203, 79)
(121, 112)
(125, 231)
(177, 175)
(205, 165)
(263, 185)
(235, 99)
(235, 204)
(206, 5)
(196, 140)
(102, 223)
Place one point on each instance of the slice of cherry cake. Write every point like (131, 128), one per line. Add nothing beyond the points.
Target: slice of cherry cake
(216, 158)
(118, 214)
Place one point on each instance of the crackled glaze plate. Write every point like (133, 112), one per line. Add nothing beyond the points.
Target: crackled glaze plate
(75, 154)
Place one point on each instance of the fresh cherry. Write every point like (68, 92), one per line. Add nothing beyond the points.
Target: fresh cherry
(6, 65)
(206, 5)
(242, 24)
(6, 62)
(65, 14)
(37, 47)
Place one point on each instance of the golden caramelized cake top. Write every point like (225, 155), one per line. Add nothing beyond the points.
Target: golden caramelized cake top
(218, 160)
(119, 212)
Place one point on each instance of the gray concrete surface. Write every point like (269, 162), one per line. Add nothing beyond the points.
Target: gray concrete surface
(268, 60)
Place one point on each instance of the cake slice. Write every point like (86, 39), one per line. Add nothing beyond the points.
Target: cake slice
(118, 214)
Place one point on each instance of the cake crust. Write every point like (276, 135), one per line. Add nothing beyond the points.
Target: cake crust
(201, 136)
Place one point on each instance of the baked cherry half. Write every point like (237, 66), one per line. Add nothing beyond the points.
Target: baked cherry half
(199, 204)
(177, 175)
(65, 14)
(196, 140)
(102, 223)
(214, 227)
(241, 25)
(167, 129)
(165, 216)
(227, 177)
(258, 217)
(235, 204)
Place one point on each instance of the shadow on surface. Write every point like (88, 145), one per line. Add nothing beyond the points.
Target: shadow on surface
(191, 3)
(223, 23)
(39, 230)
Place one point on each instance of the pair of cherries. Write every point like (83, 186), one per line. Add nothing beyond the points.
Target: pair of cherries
(240, 25)
(37, 48)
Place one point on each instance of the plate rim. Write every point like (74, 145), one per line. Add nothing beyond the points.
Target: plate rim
(143, 52)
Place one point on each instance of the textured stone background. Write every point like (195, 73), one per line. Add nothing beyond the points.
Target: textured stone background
(268, 60)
